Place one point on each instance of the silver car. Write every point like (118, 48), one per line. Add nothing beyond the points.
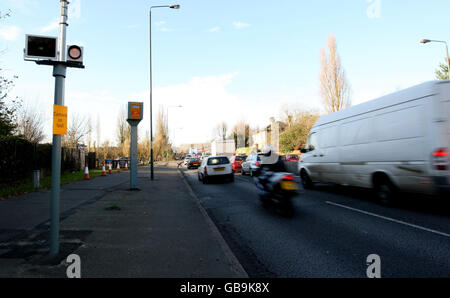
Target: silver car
(252, 164)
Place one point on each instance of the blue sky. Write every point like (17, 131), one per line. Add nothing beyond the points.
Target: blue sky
(223, 60)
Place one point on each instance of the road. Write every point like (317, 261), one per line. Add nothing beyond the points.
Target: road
(332, 233)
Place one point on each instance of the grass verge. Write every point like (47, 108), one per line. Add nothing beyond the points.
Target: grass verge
(26, 186)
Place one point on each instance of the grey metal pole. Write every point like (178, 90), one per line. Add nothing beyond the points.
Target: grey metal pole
(134, 156)
(152, 173)
(59, 72)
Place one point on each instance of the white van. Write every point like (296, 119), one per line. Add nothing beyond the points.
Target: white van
(399, 142)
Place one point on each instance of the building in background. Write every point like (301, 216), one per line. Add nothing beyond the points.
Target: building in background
(269, 135)
(223, 147)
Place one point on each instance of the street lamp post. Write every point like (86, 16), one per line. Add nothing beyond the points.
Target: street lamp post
(174, 6)
(425, 41)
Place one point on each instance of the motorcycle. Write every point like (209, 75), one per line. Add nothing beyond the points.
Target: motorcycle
(277, 189)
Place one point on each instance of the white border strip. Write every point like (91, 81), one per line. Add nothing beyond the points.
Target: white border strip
(391, 219)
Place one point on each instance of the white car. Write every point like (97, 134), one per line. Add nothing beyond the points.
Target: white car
(214, 167)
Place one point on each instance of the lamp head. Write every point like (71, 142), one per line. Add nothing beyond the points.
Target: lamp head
(424, 41)
(175, 6)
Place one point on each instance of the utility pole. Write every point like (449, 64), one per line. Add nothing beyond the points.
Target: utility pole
(59, 72)
(173, 6)
(53, 51)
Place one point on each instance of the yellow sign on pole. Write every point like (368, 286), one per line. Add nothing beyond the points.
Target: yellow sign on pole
(59, 120)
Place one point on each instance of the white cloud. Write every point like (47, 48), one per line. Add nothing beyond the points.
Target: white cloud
(214, 29)
(160, 25)
(240, 25)
(50, 27)
(206, 102)
(26, 7)
(10, 32)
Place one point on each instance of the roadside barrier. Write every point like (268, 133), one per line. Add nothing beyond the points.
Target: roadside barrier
(103, 170)
(86, 172)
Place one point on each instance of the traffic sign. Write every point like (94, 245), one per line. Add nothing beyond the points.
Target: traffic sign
(41, 47)
(60, 120)
(135, 111)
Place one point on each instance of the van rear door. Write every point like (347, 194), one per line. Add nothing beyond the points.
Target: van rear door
(444, 95)
(441, 160)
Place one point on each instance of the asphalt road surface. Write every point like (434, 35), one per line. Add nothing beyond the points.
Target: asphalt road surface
(333, 232)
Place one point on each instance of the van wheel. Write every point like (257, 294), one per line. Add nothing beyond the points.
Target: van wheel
(306, 181)
(385, 192)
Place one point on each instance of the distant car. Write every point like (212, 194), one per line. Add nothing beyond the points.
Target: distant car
(237, 161)
(186, 160)
(291, 157)
(215, 167)
(194, 163)
(251, 164)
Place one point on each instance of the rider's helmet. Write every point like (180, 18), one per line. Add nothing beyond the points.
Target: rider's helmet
(269, 156)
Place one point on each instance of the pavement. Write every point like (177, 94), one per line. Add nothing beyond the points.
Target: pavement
(157, 232)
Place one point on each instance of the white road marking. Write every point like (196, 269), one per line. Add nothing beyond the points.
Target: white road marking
(391, 219)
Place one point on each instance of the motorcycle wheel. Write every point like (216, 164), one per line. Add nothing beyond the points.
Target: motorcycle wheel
(284, 206)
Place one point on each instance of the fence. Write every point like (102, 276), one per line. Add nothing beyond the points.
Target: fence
(18, 159)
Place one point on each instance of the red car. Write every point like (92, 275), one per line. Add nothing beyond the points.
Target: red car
(237, 161)
(291, 157)
(193, 163)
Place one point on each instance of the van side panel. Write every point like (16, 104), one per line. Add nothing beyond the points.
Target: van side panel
(330, 160)
(396, 135)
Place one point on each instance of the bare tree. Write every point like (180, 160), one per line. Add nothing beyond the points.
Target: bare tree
(8, 112)
(89, 134)
(442, 73)
(161, 138)
(78, 129)
(241, 134)
(123, 132)
(121, 127)
(98, 132)
(30, 124)
(334, 88)
(144, 147)
(5, 15)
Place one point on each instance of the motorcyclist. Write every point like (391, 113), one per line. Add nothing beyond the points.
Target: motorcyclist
(271, 161)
